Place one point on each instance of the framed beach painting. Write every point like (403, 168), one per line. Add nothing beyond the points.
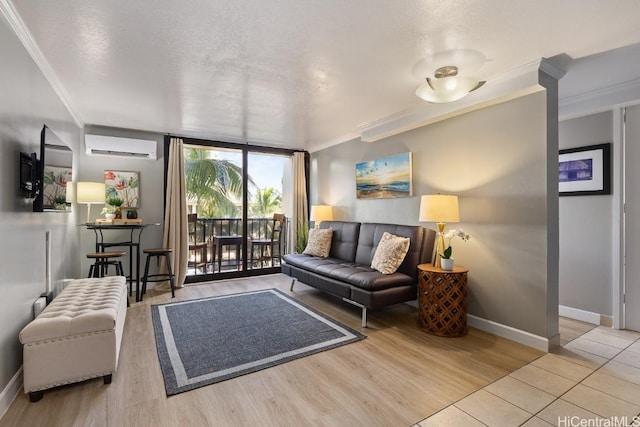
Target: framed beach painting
(125, 185)
(585, 171)
(385, 178)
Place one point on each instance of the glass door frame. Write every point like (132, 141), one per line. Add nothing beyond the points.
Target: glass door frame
(246, 149)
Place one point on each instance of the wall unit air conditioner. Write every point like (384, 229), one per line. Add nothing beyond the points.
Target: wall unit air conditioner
(101, 145)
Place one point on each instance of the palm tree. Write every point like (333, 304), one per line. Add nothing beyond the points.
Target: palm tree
(214, 184)
(267, 202)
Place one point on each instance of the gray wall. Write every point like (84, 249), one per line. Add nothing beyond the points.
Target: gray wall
(151, 173)
(496, 160)
(586, 234)
(27, 103)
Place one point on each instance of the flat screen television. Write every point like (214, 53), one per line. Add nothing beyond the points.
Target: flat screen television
(53, 172)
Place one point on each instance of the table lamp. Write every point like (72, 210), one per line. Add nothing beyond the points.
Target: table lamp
(90, 193)
(439, 208)
(321, 213)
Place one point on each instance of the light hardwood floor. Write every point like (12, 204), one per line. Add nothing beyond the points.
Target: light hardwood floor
(396, 377)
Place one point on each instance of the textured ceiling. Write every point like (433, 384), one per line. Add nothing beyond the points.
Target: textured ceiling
(292, 73)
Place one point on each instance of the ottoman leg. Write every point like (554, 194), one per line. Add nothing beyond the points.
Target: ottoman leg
(107, 378)
(34, 396)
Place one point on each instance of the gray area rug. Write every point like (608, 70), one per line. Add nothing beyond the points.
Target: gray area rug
(208, 340)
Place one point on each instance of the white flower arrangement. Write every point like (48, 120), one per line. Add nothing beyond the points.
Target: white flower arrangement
(450, 235)
(109, 209)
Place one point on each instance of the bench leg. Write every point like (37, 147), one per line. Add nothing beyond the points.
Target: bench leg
(107, 378)
(293, 282)
(34, 396)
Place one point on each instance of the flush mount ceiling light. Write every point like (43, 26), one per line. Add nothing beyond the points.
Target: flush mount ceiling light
(447, 85)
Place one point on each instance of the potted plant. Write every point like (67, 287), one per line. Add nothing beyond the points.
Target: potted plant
(132, 213)
(446, 261)
(117, 203)
(60, 203)
(109, 211)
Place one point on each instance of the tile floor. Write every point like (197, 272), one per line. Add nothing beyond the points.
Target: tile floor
(592, 380)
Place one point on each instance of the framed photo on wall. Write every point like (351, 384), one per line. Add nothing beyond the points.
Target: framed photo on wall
(384, 178)
(125, 185)
(585, 171)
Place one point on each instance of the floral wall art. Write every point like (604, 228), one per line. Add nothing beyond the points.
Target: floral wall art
(125, 185)
(55, 186)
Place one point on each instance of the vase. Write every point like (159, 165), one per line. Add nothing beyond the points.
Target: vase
(110, 215)
(132, 214)
(447, 263)
(118, 213)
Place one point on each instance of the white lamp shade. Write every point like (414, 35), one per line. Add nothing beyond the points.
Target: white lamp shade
(90, 192)
(321, 213)
(439, 208)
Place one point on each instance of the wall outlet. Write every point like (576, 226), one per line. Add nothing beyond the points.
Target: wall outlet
(38, 306)
(48, 296)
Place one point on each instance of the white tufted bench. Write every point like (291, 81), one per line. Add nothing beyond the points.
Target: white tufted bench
(77, 337)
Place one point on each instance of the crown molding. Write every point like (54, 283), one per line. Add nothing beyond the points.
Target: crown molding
(311, 148)
(550, 68)
(599, 99)
(24, 35)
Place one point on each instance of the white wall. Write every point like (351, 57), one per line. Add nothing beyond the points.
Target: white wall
(497, 160)
(27, 103)
(586, 234)
(151, 174)
(593, 286)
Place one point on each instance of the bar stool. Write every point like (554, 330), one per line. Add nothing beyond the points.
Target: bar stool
(102, 262)
(160, 277)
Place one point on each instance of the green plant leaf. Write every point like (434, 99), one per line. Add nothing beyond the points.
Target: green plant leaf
(447, 253)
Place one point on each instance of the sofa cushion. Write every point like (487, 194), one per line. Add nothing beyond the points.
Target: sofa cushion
(356, 275)
(344, 240)
(390, 253)
(308, 262)
(370, 235)
(319, 242)
(364, 277)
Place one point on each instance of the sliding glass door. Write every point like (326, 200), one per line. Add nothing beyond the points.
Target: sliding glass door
(236, 202)
(266, 229)
(214, 190)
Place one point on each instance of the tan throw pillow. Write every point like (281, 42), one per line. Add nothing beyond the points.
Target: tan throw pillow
(319, 242)
(390, 253)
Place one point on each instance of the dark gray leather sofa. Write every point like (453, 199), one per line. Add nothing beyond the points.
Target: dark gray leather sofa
(347, 272)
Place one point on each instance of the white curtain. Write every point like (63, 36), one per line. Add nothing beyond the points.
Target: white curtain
(300, 208)
(176, 234)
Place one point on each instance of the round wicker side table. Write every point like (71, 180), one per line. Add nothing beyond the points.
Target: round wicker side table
(442, 300)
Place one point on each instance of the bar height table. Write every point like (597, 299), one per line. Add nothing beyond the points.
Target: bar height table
(136, 230)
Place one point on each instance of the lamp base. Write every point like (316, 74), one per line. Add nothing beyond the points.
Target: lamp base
(440, 245)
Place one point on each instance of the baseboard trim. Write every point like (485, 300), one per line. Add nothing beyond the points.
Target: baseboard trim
(513, 334)
(585, 316)
(10, 392)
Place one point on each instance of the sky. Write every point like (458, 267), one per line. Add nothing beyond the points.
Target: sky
(266, 170)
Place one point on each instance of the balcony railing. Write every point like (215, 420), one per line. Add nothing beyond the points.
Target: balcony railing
(218, 245)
